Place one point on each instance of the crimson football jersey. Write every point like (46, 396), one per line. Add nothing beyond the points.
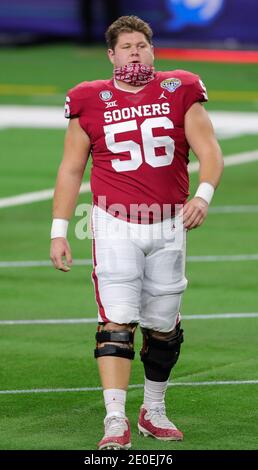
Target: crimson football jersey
(138, 144)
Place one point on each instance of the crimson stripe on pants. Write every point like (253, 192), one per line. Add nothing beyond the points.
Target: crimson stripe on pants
(95, 280)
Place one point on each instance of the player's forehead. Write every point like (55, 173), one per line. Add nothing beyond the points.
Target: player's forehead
(133, 38)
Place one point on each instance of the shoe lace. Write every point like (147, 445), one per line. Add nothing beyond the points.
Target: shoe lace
(115, 426)
(158, 417)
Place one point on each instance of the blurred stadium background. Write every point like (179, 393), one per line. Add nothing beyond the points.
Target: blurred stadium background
(49, 388)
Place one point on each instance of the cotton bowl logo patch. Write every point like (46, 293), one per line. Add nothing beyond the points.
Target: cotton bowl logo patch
(171, 84)
(106, 95)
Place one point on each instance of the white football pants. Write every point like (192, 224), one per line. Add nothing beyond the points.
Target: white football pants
(139, 271)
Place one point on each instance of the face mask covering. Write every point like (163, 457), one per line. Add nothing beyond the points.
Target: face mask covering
(135, 74)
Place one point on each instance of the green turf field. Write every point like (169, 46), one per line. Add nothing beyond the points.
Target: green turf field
(214, 399)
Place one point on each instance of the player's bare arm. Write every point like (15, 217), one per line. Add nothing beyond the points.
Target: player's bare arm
(202, 140)
(70, 174)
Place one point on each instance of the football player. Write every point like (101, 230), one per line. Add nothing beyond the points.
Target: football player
(138, 127)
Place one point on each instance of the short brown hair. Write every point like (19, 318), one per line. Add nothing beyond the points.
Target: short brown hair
(127, 24)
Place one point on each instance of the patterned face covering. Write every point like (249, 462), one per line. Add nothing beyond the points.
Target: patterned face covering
(135, 74)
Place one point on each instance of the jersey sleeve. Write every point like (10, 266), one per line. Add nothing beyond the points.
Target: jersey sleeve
(195, 92)
(75, 102)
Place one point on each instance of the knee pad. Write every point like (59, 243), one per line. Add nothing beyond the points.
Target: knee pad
(160, 355)
(121, 342)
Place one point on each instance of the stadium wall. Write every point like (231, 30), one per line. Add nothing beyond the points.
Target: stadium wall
(230, 23)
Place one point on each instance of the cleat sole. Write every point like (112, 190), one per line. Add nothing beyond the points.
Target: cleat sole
(146, 433)
(115, 446)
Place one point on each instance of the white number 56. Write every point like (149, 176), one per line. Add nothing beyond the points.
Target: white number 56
(150, 143)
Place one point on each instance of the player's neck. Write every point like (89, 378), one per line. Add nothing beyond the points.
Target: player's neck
(127, 87)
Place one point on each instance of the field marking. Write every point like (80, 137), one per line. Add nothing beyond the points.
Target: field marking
(46, 194)
(221, 258)
(63, 321)
(237, 95)
(85, 262)
(231, 160)
(37, 264)
(227, 124)
(27, 90)
(221, 316)
(132, 386)
(71, 321)
(247, 209)
(36, 196)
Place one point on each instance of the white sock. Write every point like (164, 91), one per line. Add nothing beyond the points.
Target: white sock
(154, 393)
(115, 400)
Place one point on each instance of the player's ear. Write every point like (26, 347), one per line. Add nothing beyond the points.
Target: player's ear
(111, 54)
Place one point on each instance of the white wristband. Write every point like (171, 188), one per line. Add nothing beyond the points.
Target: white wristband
(205, 191)
(59, 228)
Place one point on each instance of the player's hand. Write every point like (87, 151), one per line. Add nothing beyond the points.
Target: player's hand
(60, 248)
(194, 212)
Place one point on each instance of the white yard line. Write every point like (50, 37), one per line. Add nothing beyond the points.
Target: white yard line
(71, 321)
(233, 209)
(37, 196)
(132, 386)
(227, 124)
(37, 264)
(219, 316)
(221, 258)
(231, 160)
(63, 321)
(46, 194)
(84, 262)
(31, 117)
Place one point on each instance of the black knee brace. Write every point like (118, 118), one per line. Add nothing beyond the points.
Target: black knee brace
(124, 348)
(160, 355)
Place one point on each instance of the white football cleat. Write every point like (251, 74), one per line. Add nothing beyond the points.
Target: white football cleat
(154, 422)
(117, 433)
